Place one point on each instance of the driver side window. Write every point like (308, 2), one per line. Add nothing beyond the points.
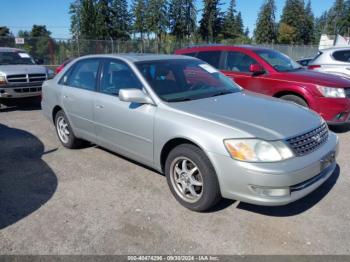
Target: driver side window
(117, 75)
(238, 62)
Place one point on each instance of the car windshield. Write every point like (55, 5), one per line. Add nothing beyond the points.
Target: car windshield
(277, 60)
(183, 80)
(15, 58)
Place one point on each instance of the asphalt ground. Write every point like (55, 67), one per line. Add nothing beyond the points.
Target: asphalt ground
(92, 201)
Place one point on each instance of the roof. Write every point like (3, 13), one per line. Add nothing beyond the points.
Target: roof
(10, 49)
(134, 57)
(216, 46)
(335, 48)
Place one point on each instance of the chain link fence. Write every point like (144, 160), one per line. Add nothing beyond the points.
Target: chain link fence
(54, 51)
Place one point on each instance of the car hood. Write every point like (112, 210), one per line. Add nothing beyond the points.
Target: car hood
(22, 69)
(318, 78)
(256, 115)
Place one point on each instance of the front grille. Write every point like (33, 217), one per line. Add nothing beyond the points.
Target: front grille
(347, 92)
(309, 142)
(17, 79)
(36, 77)
(30, 78)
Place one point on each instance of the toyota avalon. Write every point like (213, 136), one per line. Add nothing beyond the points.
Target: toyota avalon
(184, 118)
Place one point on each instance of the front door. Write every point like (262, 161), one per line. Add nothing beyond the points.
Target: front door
(236, 65)
(123, 127)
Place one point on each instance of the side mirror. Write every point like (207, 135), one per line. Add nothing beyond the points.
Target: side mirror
(39, 61)
(134, 95)
(256, 69)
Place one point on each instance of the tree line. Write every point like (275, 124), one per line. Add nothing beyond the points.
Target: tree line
(156, 19)
(298, 25)
(166, 22)
(177, 19)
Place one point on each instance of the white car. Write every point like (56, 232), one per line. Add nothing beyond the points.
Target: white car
(334, 60)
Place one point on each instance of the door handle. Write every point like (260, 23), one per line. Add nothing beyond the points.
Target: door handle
(65, 96)
(99, 106)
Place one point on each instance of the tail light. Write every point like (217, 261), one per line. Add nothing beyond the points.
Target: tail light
(313, 67)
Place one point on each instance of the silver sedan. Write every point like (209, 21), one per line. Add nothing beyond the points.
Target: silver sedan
(182, 117)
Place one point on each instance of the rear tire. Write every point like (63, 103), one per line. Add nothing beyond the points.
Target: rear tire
(65, 133)
(296, 99)
(191, 178)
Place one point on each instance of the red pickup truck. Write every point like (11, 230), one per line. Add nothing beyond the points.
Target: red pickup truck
(272, 73)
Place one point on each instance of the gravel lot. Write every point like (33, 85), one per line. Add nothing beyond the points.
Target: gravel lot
(91, 201)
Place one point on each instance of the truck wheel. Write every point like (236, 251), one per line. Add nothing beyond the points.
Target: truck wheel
(296, 99)
(191, 178)
(65, 132)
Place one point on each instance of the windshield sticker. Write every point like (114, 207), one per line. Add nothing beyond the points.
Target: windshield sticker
(208, 68)
(23, 55)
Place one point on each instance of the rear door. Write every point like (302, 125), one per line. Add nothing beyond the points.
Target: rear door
(123, 127)
(211, 57)
(78, 91)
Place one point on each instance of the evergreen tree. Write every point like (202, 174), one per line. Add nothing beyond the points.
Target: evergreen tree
(101, 28)
(4, 31)
(6, 37)
(121, 19)
(190, 17)
(229, 28)
(265, 31)
(157, 18)
(336, 18)
(294, 16)
(246, 32)
(74, 11)
(42, 45)
(139, 17)
(308, 32)
(211, 22)
(320, 27)
(239, 24)
(87, 19)
(182, 14)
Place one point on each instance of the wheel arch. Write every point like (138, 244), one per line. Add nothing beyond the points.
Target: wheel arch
(55, 110)
(292, 92)
(170, 145)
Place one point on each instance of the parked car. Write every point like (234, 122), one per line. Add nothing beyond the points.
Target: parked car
(184, 118)
(334, 60)
(305, 61)
(272, 73)
(66, 62)
(20, 76)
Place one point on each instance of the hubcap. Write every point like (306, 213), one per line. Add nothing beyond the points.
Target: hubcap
(62, 129)
(186, 179)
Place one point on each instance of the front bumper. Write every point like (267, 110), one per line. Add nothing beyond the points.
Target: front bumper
(299, 175)
(20, 91)
(336, 111)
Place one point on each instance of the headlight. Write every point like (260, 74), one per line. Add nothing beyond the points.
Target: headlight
(256, 150)
(2, 80)
(332, 92)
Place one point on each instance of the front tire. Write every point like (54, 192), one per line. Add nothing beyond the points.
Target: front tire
(65, 133)
(191, 178)
(296, 99)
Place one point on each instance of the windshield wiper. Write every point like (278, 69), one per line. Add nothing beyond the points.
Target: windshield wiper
(295, 69)
(221, 93)
(180, 99)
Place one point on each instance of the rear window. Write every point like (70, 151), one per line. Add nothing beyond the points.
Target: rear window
(211, 57)
(191, 54)
(343, 56)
